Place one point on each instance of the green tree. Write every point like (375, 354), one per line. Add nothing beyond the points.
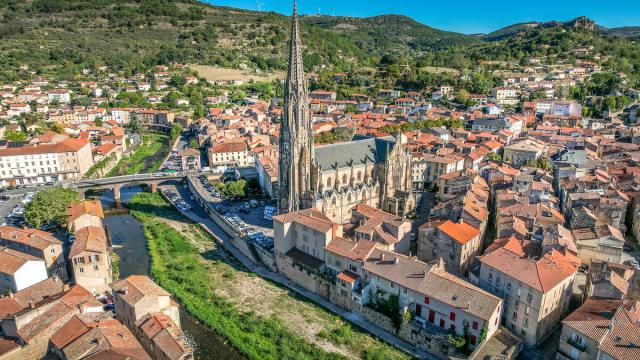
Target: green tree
(176, 130)
(58, 128)
(236, 189)
(99, 122)
(194, 144)
(135, 126)
(50, 207)
(13, 135)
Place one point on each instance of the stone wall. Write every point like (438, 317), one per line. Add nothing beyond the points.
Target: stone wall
(255, 253)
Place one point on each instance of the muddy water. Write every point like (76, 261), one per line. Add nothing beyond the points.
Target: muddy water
(130, 244)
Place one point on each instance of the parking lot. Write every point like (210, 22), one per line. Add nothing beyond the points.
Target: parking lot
(247, 217)
(12, 208)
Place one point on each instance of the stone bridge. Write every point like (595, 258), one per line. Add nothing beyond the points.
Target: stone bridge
(116, 183)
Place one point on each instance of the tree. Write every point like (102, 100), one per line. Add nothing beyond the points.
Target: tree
(176, 130)
(13, 135)
(194, 144)
(236, 189)
(50, 207)
(58, 128)
(99, 122)
(135, 126)
(494, 157)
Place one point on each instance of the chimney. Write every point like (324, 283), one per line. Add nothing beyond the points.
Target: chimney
(32, 305)
(11, 294)
(396, 260)
(382, 257)
(65, 287)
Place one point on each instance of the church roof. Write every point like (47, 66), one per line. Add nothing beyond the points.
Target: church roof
(373, 150)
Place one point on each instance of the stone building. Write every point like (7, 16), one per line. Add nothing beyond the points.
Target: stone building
(601, 329)
(153, 317)
(91, 260)
(536, 290)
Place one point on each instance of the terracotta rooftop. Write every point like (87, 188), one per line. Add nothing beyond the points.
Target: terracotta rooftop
(137, 287)
(311, 218)
(542, 274)
(91, 207)
(89, 238)
(33, 237)
(11, 260)
(459, 231)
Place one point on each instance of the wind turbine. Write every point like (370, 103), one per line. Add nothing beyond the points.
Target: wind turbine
(259, 4)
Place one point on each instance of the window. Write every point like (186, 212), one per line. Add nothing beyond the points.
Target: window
(452, 316)
(473, 339)
(474, 325)
(498, 280)
(529, 297)
(515, 315)
(426, 299)
(95, 267)
(490, 276)
(452, 328)
(508, 286)
(81, 270)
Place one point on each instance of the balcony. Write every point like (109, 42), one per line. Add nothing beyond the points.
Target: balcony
(580, 345)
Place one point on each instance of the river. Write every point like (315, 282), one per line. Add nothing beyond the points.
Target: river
(130, 244)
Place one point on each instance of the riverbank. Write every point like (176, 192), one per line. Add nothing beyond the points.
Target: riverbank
(261, 319)
(147, 158)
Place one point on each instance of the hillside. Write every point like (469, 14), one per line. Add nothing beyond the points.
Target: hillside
(391, 33)
(133, 34)
(510, 31)
(632, 32)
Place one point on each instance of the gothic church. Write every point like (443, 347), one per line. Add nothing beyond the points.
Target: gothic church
(335, 178)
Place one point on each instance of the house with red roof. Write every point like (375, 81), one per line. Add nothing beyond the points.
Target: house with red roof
(536, 288)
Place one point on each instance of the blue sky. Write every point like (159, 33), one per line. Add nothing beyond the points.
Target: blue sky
(463, 15)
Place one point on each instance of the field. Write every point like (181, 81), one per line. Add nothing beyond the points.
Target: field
(441, 70)
(214, 73)
(259, 318)
(147, 158)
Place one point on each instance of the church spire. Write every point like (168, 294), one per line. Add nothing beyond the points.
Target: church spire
(295, 77)
(296, 137)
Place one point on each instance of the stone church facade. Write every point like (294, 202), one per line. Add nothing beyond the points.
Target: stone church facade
(335, 178)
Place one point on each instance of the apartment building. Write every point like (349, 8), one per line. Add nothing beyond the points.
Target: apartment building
(438, 299)
(536, 291)
(300, 241)
(522, 151)
(40, 244)
(233, 153)
(505, 96)
(457, 243)
(69, 159)
(428, 167)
